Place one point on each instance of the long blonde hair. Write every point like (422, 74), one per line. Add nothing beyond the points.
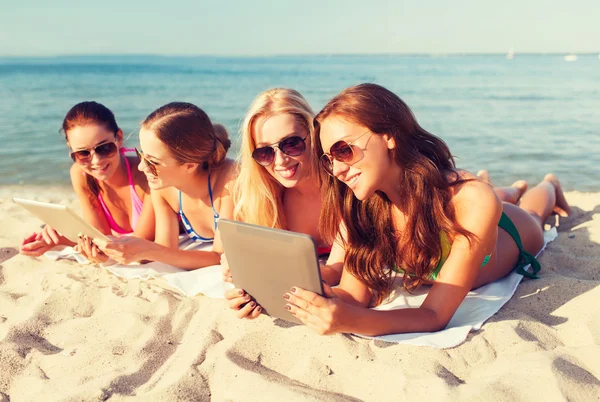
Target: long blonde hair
(257, 195)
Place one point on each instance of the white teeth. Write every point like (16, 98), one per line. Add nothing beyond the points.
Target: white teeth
(287, 173)
(353, 180)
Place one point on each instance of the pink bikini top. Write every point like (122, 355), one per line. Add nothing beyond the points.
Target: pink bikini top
(136, 203)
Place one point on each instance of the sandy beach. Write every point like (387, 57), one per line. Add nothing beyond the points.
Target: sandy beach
(74, 332)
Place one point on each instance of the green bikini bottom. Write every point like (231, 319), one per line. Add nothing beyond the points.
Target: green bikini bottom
(525, 258)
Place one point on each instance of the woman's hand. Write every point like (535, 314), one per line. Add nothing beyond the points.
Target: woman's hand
(326, 315)
(52, 237)
(37, 244)
(34, 245)
(86, 247)
(225, 269)
(125, 249)
(239, 300)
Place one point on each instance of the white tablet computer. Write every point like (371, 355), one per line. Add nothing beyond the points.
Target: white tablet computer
(61, 218)
(267, 262)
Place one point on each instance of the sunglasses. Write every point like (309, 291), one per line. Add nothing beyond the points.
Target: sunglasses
(152, 166)
(341, 151)
(105, 150)
(292, 146)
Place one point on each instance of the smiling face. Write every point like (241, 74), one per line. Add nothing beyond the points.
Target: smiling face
(287, 170)
(88, 137)
(169, 171)
(373, 166)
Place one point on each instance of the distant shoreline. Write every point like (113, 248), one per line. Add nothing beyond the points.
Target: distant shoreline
(125, 56)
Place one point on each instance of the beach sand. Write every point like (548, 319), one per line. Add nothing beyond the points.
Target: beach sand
(72, 332)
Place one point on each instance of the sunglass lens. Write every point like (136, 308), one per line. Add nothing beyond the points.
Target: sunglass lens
(264, 156)
(293, 146)
(80, 156)
(106, 150)
(342, 152)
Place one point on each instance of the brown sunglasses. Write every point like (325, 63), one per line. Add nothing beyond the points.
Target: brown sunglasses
(152, 166)
(341, 151)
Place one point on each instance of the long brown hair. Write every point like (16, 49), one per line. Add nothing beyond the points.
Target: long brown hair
(189, 135)
(89, 113)
(374, 247)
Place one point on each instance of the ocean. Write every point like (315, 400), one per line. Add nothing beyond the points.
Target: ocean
(519, 119)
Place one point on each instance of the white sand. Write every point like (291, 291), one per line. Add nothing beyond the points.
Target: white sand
(71, 332)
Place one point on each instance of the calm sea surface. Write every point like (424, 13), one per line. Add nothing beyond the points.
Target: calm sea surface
(517, 118)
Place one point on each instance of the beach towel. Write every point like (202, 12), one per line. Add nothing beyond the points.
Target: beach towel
(207, 280)
(479, 305)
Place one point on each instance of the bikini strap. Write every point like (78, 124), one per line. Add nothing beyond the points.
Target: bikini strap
(210, 194)
(129, 175)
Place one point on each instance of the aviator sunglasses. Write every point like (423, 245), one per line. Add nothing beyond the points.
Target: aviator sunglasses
(341, 151)
(105, 150)
(152, 166)
(292, 146)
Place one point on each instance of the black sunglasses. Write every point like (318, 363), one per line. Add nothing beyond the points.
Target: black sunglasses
(292, 146)
(103, 150)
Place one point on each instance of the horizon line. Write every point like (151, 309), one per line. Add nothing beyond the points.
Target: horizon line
(433, 54)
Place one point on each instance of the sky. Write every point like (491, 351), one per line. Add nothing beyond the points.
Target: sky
(260, 27)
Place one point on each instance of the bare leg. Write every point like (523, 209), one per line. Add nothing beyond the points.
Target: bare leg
(545, 198)
(510, 194)
(536, 206)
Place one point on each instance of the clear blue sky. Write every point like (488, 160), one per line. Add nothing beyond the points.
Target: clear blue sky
(257, 27)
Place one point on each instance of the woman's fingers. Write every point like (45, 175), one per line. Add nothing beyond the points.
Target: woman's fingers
(53, 234)
(233, 293)
(29, 239)
(238, 302)
(245, 311)
(256, 312)
(46, 236)
(34, 248)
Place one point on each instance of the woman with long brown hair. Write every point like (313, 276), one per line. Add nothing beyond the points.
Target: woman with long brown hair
(183, 155)
(400, 209)
(114, 195)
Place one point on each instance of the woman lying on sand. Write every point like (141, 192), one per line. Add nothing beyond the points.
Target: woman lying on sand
(184, 159)
(404, 211)
(278, 183)
(114, 196)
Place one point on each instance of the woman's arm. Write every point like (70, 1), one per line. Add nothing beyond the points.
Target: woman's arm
(166, 247)
(478, 211)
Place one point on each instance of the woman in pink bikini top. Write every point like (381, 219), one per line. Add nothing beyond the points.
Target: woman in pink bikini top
(112, 195)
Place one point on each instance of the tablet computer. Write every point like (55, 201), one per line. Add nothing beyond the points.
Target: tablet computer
(267, 262)
(61, 218)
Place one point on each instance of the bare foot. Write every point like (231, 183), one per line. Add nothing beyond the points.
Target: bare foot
(521, 186)
(562, 207)
(484, 175)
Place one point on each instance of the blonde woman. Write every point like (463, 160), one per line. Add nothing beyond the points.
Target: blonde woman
(278, 184)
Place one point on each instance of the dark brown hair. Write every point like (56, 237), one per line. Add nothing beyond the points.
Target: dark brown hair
(373, 245)
(188, 133)
(90, 113)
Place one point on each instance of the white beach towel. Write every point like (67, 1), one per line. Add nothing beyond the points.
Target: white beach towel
(478, 307)
(206, 280)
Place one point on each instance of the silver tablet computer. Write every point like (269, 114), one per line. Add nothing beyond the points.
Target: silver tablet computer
(61, 218)
(267, 262)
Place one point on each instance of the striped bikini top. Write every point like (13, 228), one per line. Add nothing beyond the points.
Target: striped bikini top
(188, 226)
